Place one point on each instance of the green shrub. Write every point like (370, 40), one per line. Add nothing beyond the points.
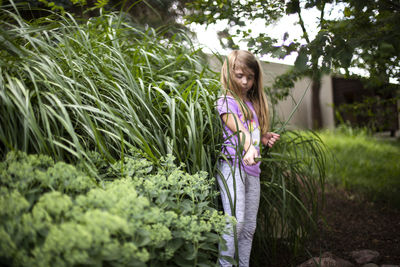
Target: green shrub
(52, 214)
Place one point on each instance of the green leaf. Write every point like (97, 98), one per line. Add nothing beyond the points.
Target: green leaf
(347, 12)
(293, 7)
(174, 244)
(386, 48)
(182, 262)
(208, 246)
(212, 237)
(345, 57)
(285, 36)
(301, 60)
(162, 197)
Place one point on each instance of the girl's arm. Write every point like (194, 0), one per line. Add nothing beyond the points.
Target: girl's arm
(235, 125)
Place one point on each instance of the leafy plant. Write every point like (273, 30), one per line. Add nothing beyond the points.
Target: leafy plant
(68, 89)
(105, 86)
(52, 214)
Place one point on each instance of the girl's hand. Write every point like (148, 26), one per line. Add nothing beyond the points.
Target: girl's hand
(249, 157)
(270, 138)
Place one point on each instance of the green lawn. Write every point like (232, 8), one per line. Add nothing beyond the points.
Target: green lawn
(364, 163)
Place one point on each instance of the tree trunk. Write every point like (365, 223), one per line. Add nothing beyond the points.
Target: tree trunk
(316, 113)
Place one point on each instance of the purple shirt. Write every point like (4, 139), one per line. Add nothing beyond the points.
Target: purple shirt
(228, 104)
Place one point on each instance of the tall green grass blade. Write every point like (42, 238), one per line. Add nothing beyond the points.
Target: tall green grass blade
(96, 81)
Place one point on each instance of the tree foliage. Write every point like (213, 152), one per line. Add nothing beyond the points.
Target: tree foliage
(365, 36)
(153, 13)
(238, 14)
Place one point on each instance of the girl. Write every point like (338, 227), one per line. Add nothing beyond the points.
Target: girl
(243, 109)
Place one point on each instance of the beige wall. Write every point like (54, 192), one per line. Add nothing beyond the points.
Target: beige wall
(302, 116)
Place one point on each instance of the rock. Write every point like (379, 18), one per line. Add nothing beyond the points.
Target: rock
(327, 259)
(364, 256)
(388, 265)
(370, 265)
(320, 262)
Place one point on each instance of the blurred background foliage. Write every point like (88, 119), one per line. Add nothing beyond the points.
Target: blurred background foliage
(364, 163)
(153, 13)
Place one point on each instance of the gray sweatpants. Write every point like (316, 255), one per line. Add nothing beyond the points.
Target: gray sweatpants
(246, 201)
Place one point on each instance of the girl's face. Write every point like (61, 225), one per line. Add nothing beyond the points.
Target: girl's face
(244, 78)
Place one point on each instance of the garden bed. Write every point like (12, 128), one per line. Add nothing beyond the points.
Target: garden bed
(351, 222)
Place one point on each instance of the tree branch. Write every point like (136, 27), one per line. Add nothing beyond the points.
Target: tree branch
(321, 20)
(301, 22)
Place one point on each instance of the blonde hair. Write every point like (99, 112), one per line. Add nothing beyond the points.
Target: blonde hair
(256, 94)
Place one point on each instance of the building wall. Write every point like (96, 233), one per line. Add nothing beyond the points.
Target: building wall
(326, 98)
(301, 93)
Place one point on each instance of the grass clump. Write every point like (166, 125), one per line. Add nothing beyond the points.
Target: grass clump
(292, 177)
(364, 163)
(105, 85)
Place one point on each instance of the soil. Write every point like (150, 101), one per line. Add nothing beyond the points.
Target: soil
(350, 222)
